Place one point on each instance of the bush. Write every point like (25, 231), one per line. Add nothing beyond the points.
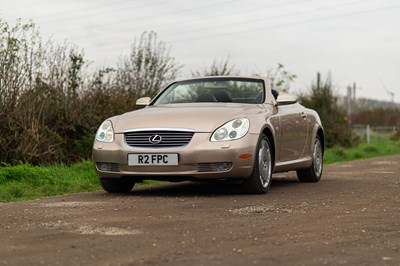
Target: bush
(322, 100)
(396, 135)
(40, 104)
(50, 107)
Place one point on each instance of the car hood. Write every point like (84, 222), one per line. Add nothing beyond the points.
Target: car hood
(200, 117)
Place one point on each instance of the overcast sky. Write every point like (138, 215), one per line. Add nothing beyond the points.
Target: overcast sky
(356, 40)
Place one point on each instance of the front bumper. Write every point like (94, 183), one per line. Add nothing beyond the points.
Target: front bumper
(197, 160)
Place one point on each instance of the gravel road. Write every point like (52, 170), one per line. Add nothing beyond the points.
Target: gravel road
(352, 216)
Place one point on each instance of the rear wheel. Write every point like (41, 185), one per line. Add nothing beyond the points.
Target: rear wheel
(117, 185)
(260, 180)
(314, 172)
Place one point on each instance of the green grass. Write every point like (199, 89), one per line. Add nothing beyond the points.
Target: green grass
(23, 182)
(379, 146)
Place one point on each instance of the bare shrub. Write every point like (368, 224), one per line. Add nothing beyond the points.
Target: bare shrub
(19, 64)
(39, 100)
(147, 67)
(50, 107)
(217, 68)
(143, 72)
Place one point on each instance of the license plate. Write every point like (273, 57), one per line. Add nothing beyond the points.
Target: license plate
(152, 159)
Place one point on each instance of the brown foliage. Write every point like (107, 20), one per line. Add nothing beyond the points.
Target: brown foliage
(50, 107)
(378, 117)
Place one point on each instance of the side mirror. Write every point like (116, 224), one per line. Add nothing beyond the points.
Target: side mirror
(284, 99)
(143, 101)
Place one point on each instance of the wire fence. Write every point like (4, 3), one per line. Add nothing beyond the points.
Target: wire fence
(365, 132)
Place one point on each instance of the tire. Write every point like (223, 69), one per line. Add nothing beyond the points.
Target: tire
(260, 180)
(314, 172)
(117, 185)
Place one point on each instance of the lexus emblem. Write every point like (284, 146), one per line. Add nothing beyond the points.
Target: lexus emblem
(155, 139)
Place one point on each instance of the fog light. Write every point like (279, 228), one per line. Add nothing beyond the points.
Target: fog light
(102, 166)
(224, 166)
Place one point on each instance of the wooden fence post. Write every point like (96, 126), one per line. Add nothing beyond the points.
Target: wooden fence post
(368, 134)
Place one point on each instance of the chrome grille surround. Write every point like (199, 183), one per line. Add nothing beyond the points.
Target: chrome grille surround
(158, 138)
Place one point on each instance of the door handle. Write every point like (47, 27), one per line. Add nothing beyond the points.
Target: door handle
(304, 115)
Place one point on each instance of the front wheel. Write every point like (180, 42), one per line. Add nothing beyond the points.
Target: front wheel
(260, 180)
(314, 172)
(117, 185)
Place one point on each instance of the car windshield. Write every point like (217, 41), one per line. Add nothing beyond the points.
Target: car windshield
(213, 90)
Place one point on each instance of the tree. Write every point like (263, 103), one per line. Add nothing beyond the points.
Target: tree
(19, 46)
(147, 68)
(221, 68)
(322, 100)
(280, 78)
(20, 56)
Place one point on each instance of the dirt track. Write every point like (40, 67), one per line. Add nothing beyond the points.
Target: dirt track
(352, 216)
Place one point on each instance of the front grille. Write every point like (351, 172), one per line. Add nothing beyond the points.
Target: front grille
(158, 138)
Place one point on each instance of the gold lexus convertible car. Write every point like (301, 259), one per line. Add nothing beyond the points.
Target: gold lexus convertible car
(213, 128)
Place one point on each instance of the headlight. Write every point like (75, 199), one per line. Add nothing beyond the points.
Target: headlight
(234, 129)
(105, 133)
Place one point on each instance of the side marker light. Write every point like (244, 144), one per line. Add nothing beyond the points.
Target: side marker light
(245, 156)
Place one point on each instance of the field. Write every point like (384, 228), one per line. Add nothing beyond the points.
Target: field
(23, 182)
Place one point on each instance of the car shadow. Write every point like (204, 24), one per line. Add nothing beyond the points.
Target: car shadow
(207, 189)
(211, 189)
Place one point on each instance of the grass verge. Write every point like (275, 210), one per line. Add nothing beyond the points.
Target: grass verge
(23, 182)
(377, 148)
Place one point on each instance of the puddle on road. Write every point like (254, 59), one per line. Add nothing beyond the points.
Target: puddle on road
(342, 173)
(106, 231)
(87, 229)
(383, 172)
(71, 204)
(343, 165)
(385, 163)
(84, 229)
(261, 209)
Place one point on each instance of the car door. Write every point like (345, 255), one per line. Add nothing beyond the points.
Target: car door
(293, 130)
